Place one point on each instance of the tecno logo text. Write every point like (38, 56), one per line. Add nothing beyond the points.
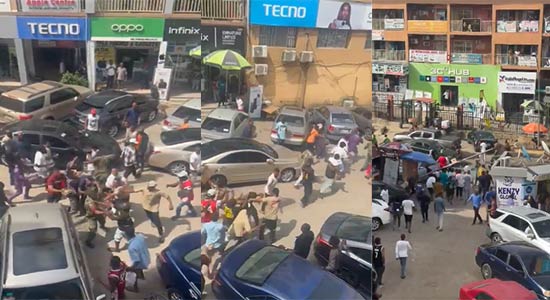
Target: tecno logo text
(285, 11)
(127, 27)
(54, 29)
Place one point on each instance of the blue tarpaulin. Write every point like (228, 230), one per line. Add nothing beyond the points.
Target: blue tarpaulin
(418, 157)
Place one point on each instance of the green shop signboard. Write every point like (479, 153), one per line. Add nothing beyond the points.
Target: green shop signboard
(451, 84)
(127, 29)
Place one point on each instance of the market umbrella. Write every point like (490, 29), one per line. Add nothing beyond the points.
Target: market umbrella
(228, 60)
(533, 128)
(195, 52)
(419, 157)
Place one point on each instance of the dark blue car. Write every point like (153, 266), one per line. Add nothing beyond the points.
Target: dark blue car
(179, 267)
(517, 261)
(256, 270)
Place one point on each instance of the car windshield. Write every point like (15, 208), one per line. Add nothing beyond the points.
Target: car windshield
(485, 135)
(330, 288)
(187, 112)
(67, 290)
(193, 258)
(355, 228)
(542, 228)
(342, 118)
(98, 100)
(12, 104)
(216, 125)
(260, 265)
(38, 250)
(291, 120)
(173, 137)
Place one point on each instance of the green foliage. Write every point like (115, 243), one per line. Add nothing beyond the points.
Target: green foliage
(74, 79)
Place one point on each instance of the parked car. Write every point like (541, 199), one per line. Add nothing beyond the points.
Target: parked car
(222, 123)
(179, 267)
(495, 289)
(363, 118)
(448, 140)
(175, 149)
(297, 122)
(520, 223)
(521, 262)
(65, 140)
(43, 258)
(257, 270)
(42, 100)
(338, 121)
(396, 193)
(476, 137)
(112, 106)
(239, 160)
(432, 148)
(190, 109)
(380, 216)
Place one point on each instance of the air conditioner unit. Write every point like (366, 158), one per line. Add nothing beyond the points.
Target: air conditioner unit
(306, 56)
(547, 90)
(260, 69)
(289, 55)
(259, 51)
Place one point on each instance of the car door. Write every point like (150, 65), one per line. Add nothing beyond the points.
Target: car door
(516, 271)
(427, 135)
(416, 135)
(514, 228)
(239, 122)
(61, 150)
(62, 103)
(499, 263)
(246, 166)
(119, 108)
(32, 143)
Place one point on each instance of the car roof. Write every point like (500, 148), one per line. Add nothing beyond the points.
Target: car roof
(337, 109)
(292, 111)
(185, 243)
(29, 91)
(39, 125)
(520, 247)
(223, 114)
(529, 213)
(334, 221)
(193, 103)
(501, 289)
(108, 95)
(34, 217)
(234, 144)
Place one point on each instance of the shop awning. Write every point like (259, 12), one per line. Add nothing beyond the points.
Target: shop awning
(418, 157)
(539, 173)
(509, 172)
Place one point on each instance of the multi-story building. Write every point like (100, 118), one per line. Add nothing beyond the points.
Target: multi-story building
(461, 51)
(312, 52)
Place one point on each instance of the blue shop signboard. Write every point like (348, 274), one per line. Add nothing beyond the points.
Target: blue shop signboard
(287, 13)
(52, 28)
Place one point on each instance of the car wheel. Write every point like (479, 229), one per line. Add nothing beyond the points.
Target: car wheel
(376, 224)
(287, 175)
(496, 238)
(219, 179)
(113, 130)
(486, 271)
(152, 116)
(178, 166)
(174, 295)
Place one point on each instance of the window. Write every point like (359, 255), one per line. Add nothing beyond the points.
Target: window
(244, 157)
(462, 13)
(257, 268)
(238, 120)
(355, 229)
(515, 222)
(121, 104)
(192, 114)
(342, 118)
(324, 112)
(193, 258)
(497, 214)
(483, 296)
(427, 135)
(256, 157)
(31, 139)
(514, 263)
(364, 254)
(62, 96)
(174, 137)
(502, 255)
(34, 104)
(278, 36)
(368, 41)
(12, 104)
(416, 134)
(216, 125)
(55, 142)
(333, 38)
(463, 47)
(542, 228)
(38, 250)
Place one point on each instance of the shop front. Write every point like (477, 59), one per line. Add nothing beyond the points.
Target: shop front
(514, 88)
(455, 84)
(9, 64)
(133, 42)
(389, 80)
(182, 36)
(55, 45)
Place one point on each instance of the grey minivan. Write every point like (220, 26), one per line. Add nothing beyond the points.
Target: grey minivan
(223, 123)
(338, 121)
(42, 257)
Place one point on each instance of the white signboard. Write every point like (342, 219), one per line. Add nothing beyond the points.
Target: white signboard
(5, 5)
(517, 82)
(50, 5)
(393, 24)
(162, 82)
(428, 56)
(378, 35)
(255, 101)
(344, 15)
(509, 191)
(391, 171)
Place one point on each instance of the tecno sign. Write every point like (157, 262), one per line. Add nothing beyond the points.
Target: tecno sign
(54, 29)
(127, 27)
(285, 11)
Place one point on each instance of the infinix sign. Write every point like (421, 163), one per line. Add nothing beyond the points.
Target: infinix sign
(51, 28)
(288, 13)
(182, 31)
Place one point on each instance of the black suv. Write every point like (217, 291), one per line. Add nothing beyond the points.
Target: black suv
(112, 106)
(65, 140)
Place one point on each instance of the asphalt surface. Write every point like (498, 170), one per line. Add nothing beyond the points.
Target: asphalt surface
(440, 262)
(353, 198)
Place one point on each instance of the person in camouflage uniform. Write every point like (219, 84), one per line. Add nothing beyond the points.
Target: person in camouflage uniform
(95, 213)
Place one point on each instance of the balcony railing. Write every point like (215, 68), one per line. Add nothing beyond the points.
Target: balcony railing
(187, 6)
(391, 55)
(545, 63)
(381, 97)
(471, 26)
(222, 10)
(522, 60)
(144, 6)
(518, 26)
(470, 58)
(20, 7)
(388, 24)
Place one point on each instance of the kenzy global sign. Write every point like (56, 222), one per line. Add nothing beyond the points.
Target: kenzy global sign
(52, 28)
(286, 13)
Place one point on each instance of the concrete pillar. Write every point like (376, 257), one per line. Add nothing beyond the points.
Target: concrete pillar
(29, 57)
(90, 7)
(169, 7)
(90, 61)
(20, 53)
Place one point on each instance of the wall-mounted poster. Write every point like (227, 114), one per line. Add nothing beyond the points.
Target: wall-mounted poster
(255, 101)
(344, 15)
(162, 81)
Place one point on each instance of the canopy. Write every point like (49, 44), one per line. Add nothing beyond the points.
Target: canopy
(228, 60)
(195, 52)
(533, 128)
(419, 157)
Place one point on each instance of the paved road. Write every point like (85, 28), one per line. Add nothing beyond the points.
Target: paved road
(355, 199)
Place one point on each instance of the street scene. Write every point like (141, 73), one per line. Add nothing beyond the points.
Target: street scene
(460, 151)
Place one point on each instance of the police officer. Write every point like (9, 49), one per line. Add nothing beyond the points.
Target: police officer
(121, 214)
(94, 214)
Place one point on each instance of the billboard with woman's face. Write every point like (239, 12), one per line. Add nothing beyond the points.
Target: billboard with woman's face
(344, 15)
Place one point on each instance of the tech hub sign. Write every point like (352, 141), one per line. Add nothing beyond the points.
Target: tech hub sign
(288, 13)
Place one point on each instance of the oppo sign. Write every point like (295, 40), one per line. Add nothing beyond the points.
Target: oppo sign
(127, 27)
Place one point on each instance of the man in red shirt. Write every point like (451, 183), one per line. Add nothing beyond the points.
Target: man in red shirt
(56, 184)
(185, 194)
(442, 160)
(208, 206)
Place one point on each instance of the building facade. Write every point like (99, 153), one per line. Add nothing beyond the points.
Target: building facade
(470, 37)
(311, 53)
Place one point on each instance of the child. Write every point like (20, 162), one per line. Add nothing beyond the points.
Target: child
(116, 276)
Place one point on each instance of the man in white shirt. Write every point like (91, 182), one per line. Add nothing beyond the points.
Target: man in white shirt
(240, 104)
(114, 180)
(41, 163)
(92, 121)
(402, 248)
(385, 195)
(408, 206)
(272, 181)
(111, 70)
(195, 162)
(341, 149)
(430, 185)
(483, 148)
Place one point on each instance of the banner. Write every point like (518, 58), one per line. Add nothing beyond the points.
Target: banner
(255, 101)
(430, 56)
(467, 58)
(507, 26)
(344, 15)
(5, 5)
(394, 24)
(529, 26)
(389, 69)
(51, 28)
(509, 190)
(222, 37)
(427, 26)
(50, 5)
(378, 35)
(162, 82)
(517, 82)
(285, 13)
(127, 29)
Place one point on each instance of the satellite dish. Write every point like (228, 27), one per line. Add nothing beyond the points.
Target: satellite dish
(545, 147)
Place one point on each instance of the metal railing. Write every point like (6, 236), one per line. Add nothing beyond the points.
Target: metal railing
(392, 55)
(187, 6)
(459, 26)
(130, 6)
(522, 60)
(382, 24)
(222, 10)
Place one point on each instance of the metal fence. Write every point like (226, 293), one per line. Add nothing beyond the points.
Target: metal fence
(130, 6)
(187, 6)
(232, 10)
